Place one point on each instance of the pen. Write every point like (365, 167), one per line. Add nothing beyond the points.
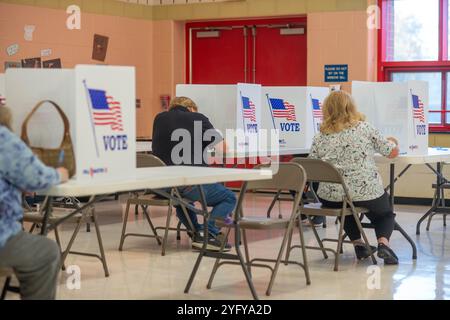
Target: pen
(61, 158)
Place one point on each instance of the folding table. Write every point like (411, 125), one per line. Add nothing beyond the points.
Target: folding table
(435, 155)
(156, 179)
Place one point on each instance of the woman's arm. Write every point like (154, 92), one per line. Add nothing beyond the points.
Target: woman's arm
(314, 152)
(387, 147)
(22, 168)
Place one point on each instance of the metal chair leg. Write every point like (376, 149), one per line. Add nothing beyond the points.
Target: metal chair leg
(288, 250)
(246, 252)
(166, 232)
(100, 242)
(339, 244)
(408, 238)
(248, 277)
(430, 217)
(272, 204)
(179, 230)
(147, 216)
(319, 241)
(217, 263)
(366, 241)
(280, 254)
(58, 242)
(72, 239)
(124, 226)
(304, 255)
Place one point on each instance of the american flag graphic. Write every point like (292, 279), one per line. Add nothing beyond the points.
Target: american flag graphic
(317, 109)
(283, 109)
(418, 112)
(106, 111)
(249, 109)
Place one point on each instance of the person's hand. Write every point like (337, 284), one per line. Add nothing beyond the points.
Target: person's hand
(392, 139)
(63, 174)
(395, 152)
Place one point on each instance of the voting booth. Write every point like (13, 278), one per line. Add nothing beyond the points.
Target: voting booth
(398, 109)
(99, 102)
(2, 89)
(296, 112)
(228, 107)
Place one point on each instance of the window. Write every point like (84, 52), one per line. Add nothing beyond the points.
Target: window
(414, 41)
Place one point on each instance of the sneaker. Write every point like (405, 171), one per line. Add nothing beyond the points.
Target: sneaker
(212, 245)
(362, 252)
(386, 253)
(316, 220)
(222, 238)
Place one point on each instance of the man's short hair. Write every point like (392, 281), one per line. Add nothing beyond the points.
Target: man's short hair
(184, 102)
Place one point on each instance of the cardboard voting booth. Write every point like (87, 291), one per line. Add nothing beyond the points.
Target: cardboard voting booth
(99, 102)
(228, 107)
(396, 109)
(296, 112)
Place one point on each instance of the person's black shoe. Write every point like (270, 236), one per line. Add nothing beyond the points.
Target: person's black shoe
(362, 252)
(212, 245)
(386, 253)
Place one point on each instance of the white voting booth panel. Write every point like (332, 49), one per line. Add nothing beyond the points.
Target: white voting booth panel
(2, 88)
(228, 107)
(396, 109)
(99, 102)
(295, 112)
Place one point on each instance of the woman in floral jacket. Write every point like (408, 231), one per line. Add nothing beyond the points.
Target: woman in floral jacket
(349, 143)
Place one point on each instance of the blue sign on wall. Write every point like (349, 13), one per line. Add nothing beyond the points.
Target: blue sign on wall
(336, 72)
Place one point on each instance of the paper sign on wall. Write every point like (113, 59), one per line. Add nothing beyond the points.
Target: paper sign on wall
(46, 52)
(28, 32)
(12, 49)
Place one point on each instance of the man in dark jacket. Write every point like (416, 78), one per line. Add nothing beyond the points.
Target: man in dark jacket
(181, 136)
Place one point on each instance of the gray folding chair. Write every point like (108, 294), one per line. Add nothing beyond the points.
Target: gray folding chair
(7, 274)
(88, 215)
(321, 171)
(147, 200)
(290, 176)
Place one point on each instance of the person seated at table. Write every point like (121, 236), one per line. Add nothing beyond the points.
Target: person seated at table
(197, 134)
(34, 259)
(350, 143)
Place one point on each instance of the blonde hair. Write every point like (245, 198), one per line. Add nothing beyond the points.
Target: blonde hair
(339, 112)
(5, 117)
(184, 102)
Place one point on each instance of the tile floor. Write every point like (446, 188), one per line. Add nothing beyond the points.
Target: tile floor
(140, 272)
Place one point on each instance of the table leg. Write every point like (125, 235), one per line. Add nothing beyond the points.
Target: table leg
(47, 212)
(437, 200)
(392, 184)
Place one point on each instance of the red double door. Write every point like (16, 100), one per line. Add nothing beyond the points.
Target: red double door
(270, 52)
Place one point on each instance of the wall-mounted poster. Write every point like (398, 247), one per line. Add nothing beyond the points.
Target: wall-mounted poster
(100, 47)
(12, 64)
(31, 63)
(52, 64)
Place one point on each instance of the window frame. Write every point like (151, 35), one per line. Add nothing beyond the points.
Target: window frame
(386, 68)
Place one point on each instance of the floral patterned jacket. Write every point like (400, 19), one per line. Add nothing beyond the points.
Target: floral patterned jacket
(352, 152)
(20, 170)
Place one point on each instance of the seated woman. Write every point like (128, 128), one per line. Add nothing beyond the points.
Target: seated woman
(349, 143)
(35, 259)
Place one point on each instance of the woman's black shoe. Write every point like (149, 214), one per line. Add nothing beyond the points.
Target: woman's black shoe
(362, 252)
(386, 253)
